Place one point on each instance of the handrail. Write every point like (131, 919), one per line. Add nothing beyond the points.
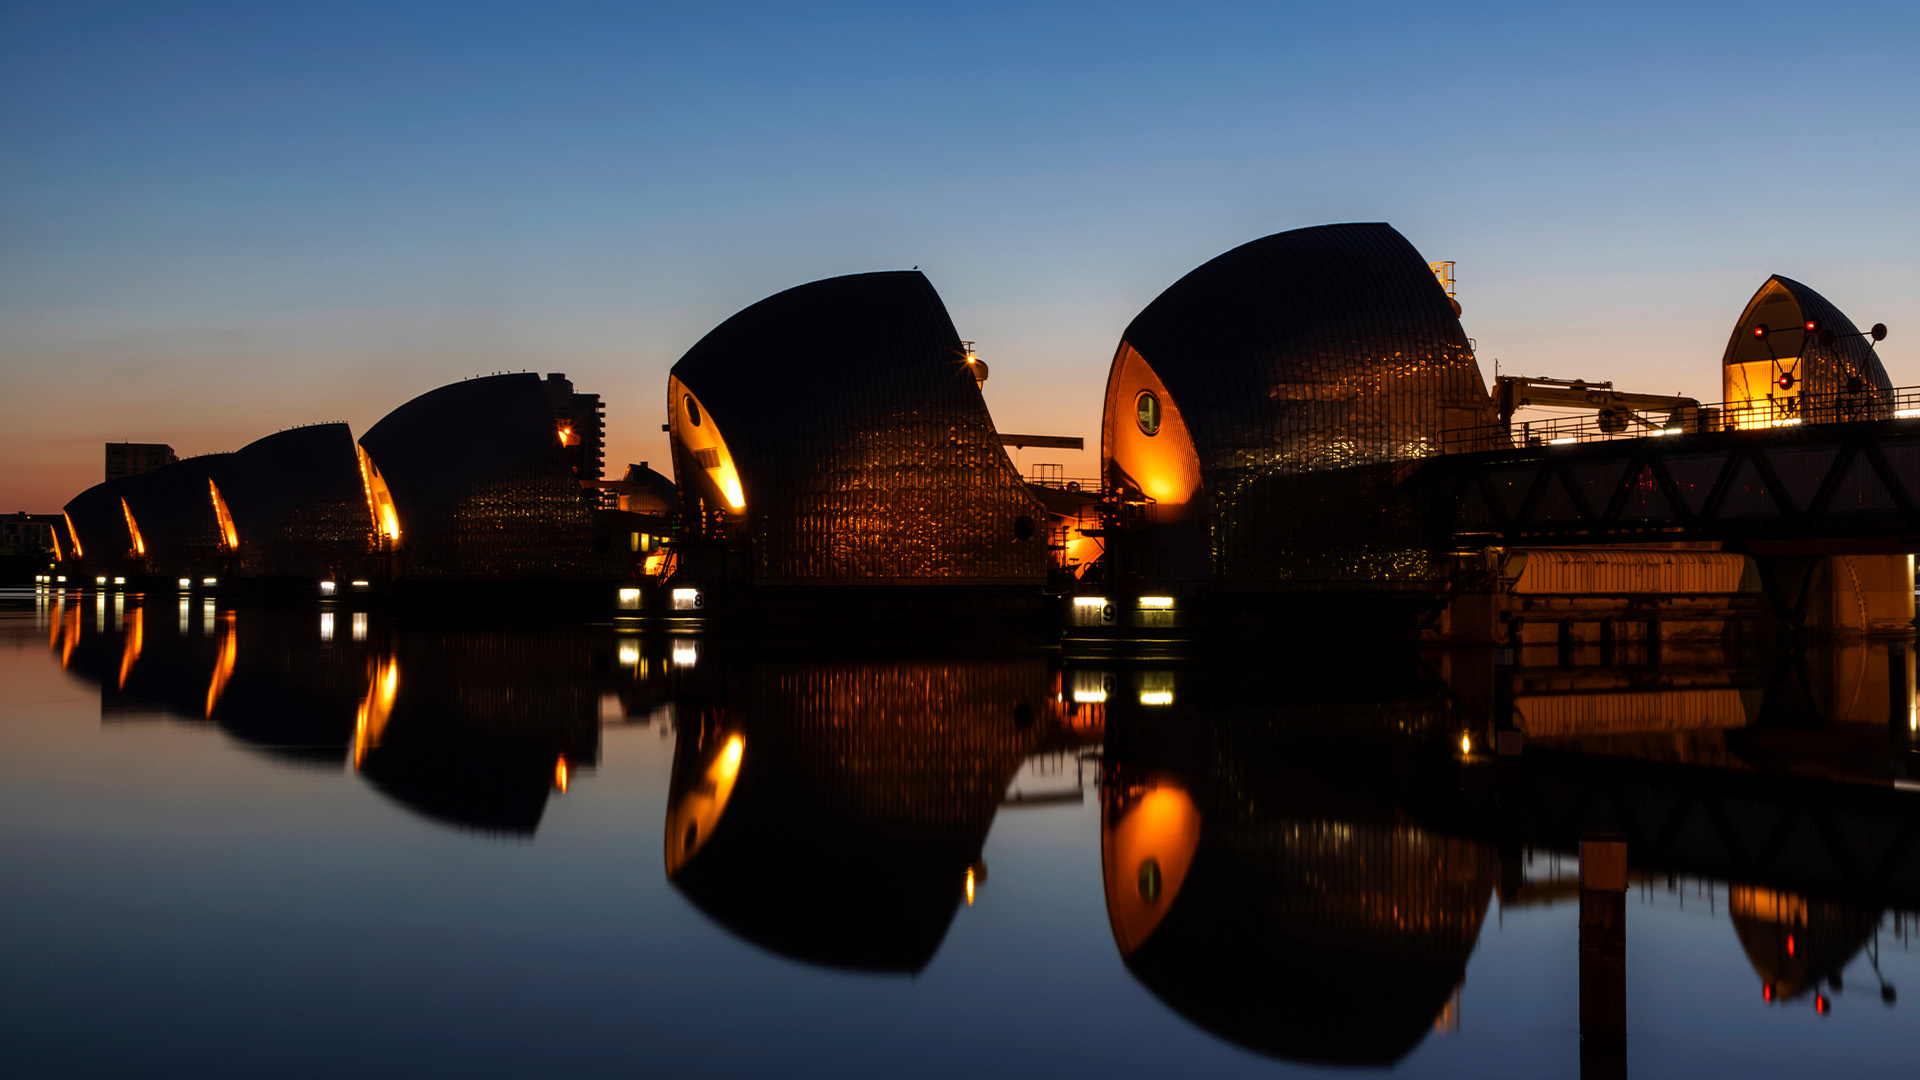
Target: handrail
(1896, 403)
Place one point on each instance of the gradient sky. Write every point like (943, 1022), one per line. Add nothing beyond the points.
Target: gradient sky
(217, 221)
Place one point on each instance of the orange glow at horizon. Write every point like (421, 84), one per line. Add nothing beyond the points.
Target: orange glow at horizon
(229, 536)
(133, 531)
(223, 666)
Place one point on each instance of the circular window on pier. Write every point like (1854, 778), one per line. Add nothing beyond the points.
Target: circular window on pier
(1147, 410)
(693, 409)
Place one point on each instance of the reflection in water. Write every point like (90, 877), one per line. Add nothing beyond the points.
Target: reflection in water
(495, 721)
(1263, 902)
(1296, 861)
(1796, 943)
(834, 812)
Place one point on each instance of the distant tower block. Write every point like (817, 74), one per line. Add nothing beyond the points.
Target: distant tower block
(581, 420)
(131, 458)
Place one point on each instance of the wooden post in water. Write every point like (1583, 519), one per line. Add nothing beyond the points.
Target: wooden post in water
(1603, 957)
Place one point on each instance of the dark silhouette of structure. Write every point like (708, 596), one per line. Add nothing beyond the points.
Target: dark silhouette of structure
(834, 435)
(481, 486)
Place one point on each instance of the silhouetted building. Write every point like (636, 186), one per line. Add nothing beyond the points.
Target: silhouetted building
(299, 504)
(1256, 408)
(128, 459)
(582, 422)
(481, 487)
(837, 435)
(103, 529)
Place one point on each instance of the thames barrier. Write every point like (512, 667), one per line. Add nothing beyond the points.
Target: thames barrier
(1349, 660)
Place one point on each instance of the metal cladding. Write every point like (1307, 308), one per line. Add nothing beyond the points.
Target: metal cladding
(482, 486)
(1258, 404)
(297, 503)
(1826, 380)
(863, 448)
(174, 508)
(99, 526)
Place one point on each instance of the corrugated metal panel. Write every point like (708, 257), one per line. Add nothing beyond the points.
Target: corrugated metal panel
(864, 448)
(482, 485)
(1632, 711)
(1561, 571)
(1295, 357)
(297, 503)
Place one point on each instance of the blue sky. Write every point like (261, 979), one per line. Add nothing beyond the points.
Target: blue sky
(221, 220)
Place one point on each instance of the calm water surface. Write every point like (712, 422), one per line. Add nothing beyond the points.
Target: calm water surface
(306, 843)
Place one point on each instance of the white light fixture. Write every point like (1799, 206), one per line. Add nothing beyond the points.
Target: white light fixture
(1159, 603)
(685, 654)
(326, 626)
(629, 653)
(1090, 601)
(100, 581)
(327, 588)
(629, 599)
(209, 581)
(359, 626)
(359, 584)
(186, 583)
(1089, 697)
(686, 599)
(1562, 441)
(1156, 697)
(119, 581)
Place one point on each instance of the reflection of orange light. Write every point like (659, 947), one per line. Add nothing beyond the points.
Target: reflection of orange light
(560, 773)
(229, 536)
(73, 536)
(1145, 849)
(72, 636)
(375, 707)
(223, 667)
(969, 886)
(133, 531)
(691, 820)
(57, 557)
(386, 520)
(1789, 944)
(136, 637)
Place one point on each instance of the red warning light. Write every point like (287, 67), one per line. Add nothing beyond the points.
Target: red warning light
(1760, 330)
(1766, 991)
(1789, 944)
(1786, 383)
(1821, 1004)
(1812, 326)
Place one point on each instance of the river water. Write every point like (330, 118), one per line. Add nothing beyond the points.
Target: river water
(300, 842)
